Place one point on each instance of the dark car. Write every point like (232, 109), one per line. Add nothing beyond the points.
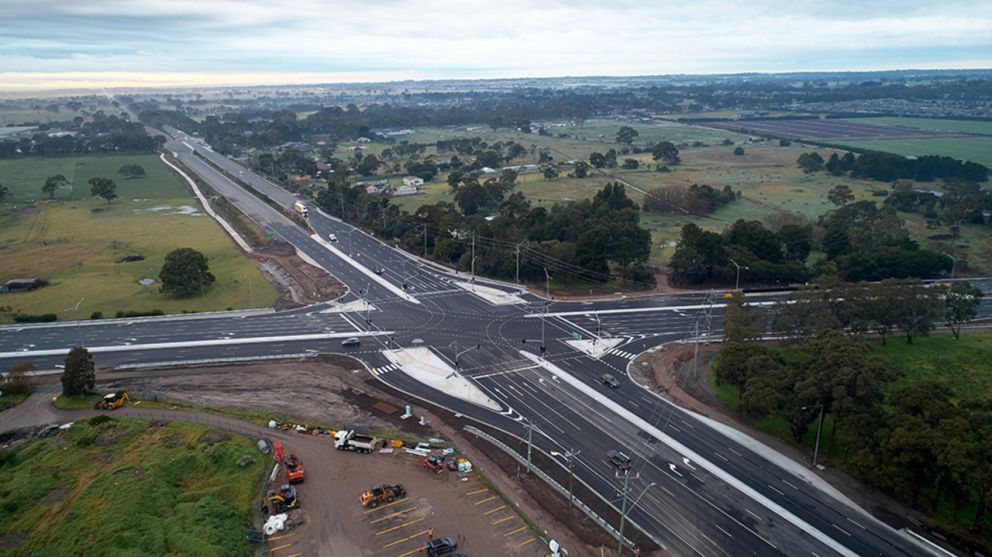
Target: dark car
(379, 270)
(619, 459)
(610, 381)
(440, 546)
(353, 341)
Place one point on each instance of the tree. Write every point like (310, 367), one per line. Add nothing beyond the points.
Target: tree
(810, 162)
(961, 305)
(79, 376)
(132, 171)
(103, 187)
(16, 381)
(598, 160)
(916, 308)
(630, 164)
(550, 171)
(53, 183)
(665, 151)
(184, 272)
(739, 151)
(626, 135)
(840, 195)
(581, 169)
(5, 193)
(741, 322)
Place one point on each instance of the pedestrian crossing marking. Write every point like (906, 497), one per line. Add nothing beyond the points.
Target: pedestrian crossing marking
(622, 354)
(377, 371)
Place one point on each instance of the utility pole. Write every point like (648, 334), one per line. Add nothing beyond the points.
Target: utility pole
(518, 263)
(547, 284)
(819, 429)
(473, 258)
(954, 262)
(570, 455)
(425, 239)
(530, 439)
(623, 508)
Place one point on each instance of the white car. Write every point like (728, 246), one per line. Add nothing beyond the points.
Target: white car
(332, 237)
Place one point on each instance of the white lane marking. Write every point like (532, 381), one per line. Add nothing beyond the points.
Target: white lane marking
(750, 512)
(197, 343)
(722, 530)
(365, 270)
(698, 459)
(855, 523)
(640, 310)
(725, 459)
(735, 452)
(771, 487)
(841, 529)
(786, 482)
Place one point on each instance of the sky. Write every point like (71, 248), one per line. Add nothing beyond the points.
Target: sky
(116, 43)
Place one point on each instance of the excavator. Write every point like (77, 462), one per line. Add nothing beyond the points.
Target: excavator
(385, 493)
(113, 401)
(282, 500)
(294, 468)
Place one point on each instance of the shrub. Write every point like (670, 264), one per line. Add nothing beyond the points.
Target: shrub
(29, 318)
(96, 315)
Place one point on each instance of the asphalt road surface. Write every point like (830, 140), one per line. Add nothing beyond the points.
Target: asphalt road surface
(727, 499)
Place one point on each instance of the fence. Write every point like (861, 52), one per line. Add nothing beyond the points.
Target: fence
(549, 480)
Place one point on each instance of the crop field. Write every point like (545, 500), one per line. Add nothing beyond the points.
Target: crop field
(126, 486)
(820, 129)
(936, 124)
(75, 241)
(970, 148)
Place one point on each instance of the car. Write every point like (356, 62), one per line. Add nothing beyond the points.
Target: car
(332, 237)
(440, 546)
(379, 270)
(417, 341)
(619, 459)
(610, 381)
(351, 341)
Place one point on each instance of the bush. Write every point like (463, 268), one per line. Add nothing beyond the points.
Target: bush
(99, 419)
(739, 151)
(16, 382)
(96, 315)
(784, 142)
(42, 318)
(150, 313)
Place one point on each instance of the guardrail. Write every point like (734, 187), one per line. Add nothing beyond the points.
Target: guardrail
(217, 360)
(550, 481)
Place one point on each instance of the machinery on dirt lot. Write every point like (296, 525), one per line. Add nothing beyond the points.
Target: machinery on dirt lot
(351, 440)
(112, 401)
(435, 462)
(294, 468)
(283, 500)
(383, 494)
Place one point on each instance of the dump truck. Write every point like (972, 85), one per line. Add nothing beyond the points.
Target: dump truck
(383, 494)
(294, 468)
(351, 440)
(112, 401)
(301, 208)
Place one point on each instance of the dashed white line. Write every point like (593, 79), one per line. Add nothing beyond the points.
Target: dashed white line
(855, 523)
(775, 490)
(729, 535)
(725, 459)
(750, 512)
(735, 452)
(841, 529)
(790, 485)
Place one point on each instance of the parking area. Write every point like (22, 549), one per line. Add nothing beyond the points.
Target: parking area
(434, 505)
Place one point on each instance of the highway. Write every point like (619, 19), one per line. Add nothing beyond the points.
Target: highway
(699, 491)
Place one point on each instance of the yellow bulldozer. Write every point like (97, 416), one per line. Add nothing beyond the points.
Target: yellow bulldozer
(112, 401)
(383, 494)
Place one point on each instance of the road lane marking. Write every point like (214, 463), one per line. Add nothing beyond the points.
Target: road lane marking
(477, 491)
(729, 535)
(386, 506)
(504, 519)
(855, 523)
(750, 512)
(841, 529)
(406, 539)
(273, 538)
(525, 542)
(487, 499)
(775, 490)
(388, 516)
(491, 511)
(517, 531)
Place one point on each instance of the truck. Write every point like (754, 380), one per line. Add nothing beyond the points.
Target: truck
(301, 208)
(383, 494)
(351, 440)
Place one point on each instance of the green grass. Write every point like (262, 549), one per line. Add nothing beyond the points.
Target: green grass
(75, 241)
(12, 399)
(936, 124)
(127, 487)
(976, 149)
(962, 364)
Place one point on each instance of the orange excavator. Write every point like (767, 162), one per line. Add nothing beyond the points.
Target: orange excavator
(113, 401)
(294, 468)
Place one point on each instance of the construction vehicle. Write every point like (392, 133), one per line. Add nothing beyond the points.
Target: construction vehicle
(435, 462)
(294, 468)
(351, 440)
(113, 401)
(301, 208)
(384, 494)
(283, 500)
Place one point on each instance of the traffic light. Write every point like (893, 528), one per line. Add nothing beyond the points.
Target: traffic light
(523, 341)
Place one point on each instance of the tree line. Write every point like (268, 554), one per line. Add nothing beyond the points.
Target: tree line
(914, 441)
(888, 167)
(103, 134)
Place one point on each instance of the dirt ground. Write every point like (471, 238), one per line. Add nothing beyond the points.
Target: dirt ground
(670, 372)
(297, 282)
(329, 390)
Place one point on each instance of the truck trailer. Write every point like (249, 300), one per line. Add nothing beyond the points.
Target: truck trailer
(351, 440)
(301, 208)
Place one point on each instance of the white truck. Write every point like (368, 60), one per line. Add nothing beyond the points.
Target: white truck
(351, 440)
(301, 208)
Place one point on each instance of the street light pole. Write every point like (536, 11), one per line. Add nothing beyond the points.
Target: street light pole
(473, 259)
(569, 456)
(547, 284)
(737, 285)
(819, 429)
(530, 439)
(518, 263)
(251, 290)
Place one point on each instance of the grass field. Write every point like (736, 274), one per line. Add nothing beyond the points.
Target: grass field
(127, 487)
(75, 240)
(956, 126)
(977, 149)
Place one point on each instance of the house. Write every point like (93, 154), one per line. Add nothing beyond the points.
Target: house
(22, 285)
(487, 170)
(413, 181)
(363, 140)
(405, 190)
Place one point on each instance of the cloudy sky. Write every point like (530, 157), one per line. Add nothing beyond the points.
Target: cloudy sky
(64, 43)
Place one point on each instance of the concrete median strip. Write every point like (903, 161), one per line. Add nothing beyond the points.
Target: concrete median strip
(426, 367)
(494, 296)
(692, 455)
(365, 270)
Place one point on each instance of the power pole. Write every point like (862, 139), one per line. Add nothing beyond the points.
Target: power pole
(425, 239)
(530, 438)
(473, 257)
(518, 263)
(623, 508)
(570, 455)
